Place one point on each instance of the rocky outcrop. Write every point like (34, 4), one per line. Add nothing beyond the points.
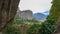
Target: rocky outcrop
(7, 11)
(26, 15)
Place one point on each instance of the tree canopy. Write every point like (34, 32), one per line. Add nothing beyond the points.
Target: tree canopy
(55, 9)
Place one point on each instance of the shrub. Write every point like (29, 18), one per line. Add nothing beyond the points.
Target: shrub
(32, 21)
(34, 29)
(17, 20)
(48, 26)
(11, 30)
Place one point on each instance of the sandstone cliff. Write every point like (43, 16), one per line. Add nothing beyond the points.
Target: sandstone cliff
(26, 14)
(7, 11)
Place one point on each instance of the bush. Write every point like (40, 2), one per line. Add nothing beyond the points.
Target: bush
(32, 21)
(18, 20)
(11, 30)
(34, 29)
(48, 26)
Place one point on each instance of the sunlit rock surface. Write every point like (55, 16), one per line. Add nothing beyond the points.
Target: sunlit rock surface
(25, 14)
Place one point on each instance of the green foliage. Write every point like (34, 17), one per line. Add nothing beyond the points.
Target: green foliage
(17, 20)
(48, 26)
(55, 9)
(11, 30)
(34, 29)
(32, 21)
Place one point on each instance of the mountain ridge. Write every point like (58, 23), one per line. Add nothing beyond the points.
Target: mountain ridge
(39, 16)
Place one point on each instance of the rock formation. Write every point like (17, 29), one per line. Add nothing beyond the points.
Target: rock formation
(26, 15)
(7, 11)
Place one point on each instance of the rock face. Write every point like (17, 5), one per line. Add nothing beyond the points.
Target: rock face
(7, 11)
(26, 15)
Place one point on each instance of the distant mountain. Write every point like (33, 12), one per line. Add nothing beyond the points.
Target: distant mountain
(46, 12)
(39, 16)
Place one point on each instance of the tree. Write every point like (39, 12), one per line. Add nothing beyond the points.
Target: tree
(55, 9)
(55, 13)
(8, 10)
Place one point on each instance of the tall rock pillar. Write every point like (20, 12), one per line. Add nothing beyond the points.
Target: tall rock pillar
(8, 10)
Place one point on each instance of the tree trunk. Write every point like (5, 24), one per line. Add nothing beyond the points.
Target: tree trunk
(8, 10)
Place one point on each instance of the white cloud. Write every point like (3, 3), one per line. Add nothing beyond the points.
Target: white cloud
(35, 5)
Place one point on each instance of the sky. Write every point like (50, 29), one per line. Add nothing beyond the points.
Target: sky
(35, 5)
